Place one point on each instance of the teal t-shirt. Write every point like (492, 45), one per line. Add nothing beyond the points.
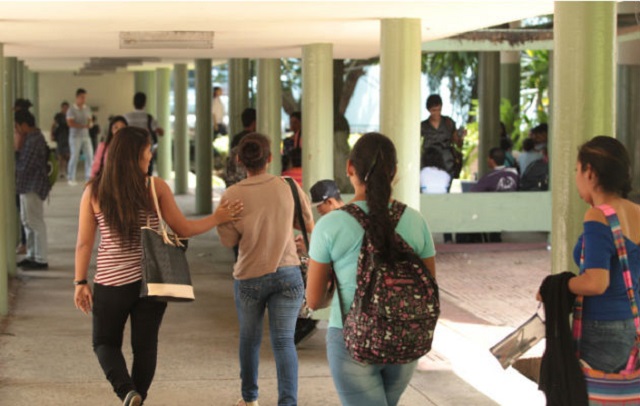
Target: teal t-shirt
(337, 239)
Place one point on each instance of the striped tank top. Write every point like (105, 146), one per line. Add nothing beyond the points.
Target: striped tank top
(118, 264)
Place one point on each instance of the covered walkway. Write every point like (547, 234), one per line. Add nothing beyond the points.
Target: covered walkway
(45, 343)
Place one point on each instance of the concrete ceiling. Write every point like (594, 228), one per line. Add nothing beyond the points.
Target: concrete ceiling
(64, 35)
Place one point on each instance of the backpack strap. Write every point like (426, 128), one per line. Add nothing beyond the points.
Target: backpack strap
(298, 209)
(395, 211)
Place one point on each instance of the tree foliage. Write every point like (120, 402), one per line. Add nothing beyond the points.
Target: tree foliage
(460, 70)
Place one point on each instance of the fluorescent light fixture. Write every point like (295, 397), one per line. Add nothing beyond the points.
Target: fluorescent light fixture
(166, 40)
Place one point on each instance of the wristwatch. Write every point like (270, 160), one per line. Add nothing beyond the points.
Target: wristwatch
(81, 282)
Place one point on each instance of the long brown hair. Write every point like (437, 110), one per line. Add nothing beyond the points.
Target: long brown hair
(120, 187)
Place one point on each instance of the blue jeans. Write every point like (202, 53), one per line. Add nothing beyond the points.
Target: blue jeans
(605, 345)
(78, 144)
(282, 293)
(360, 384)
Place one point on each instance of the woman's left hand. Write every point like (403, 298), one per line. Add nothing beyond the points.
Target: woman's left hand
(228, 211)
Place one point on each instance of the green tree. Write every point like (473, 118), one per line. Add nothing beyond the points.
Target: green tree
(460, 70)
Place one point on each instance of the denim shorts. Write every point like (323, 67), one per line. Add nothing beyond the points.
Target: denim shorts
(605, 345)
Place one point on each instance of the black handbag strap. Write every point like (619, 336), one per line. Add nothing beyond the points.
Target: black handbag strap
(298, 210)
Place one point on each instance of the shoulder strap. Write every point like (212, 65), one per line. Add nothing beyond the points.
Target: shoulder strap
(163, 228)
(298, 209)
(618, 238)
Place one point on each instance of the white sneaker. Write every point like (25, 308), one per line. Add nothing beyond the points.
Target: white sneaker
(72, 183)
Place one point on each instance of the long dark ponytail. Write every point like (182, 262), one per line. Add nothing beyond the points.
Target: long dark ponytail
(374, 159)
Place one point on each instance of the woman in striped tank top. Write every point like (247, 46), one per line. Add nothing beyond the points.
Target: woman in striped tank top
(118, 203)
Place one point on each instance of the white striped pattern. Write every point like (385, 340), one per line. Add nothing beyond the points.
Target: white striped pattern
(118, 264)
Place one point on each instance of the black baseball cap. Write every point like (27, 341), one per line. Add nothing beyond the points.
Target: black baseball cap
(322, 190)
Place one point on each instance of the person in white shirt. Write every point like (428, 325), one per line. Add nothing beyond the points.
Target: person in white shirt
(218, 112)
(79, 121)
(433, 177)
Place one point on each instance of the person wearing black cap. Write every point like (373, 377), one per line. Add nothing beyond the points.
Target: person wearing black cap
(325, 196)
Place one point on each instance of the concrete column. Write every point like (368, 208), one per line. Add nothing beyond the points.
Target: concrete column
(34, 95)
(400, 104)
(204, 134)
(489, 107)
(238, 94)
(26, 91)
(10, 211)
(584, 91)
(152, 93)
(268, 106)
(5, 200)
(139, 82)
(317, 113)
(628, 119)
(163, 88)
(181, 138)
(628, 107)
(19, 83)
(510, 80)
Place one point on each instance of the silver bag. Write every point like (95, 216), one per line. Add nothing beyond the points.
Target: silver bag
(521, 340)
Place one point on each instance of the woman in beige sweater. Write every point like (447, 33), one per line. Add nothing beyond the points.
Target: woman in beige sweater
(267, 273)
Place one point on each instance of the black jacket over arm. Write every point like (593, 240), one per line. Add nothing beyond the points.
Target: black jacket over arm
(561, 377)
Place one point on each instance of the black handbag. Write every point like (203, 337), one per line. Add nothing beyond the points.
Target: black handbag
(165, 270)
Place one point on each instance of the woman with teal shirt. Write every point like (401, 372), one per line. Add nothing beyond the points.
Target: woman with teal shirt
(335, 244)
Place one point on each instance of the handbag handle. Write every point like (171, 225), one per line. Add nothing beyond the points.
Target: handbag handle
(618, 238)
(163, 227)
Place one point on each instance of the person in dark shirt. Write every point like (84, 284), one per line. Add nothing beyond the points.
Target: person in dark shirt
(32, 184)
(440, 132)
(501, 178)
(60, 134)
(235, 172)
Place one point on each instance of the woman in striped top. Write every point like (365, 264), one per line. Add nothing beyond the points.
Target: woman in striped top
(118, 203)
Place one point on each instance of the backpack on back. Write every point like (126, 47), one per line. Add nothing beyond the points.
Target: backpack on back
(396, 305)
(535, 176)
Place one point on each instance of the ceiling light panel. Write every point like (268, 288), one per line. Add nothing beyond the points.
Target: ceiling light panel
(166, 40)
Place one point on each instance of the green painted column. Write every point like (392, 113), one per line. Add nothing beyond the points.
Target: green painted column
(204, 134)
(34, 95)
(163, 89)
(26, 91)
(268, 106)
(238, 94)
(628, 118)
(152, 93)
(584, 70)
(10, 211)
(19, 82)
(489, 107)
(139, 82)
(5, 178)
(510, 81)
(181, 139)
(400, 54)
(317, 113)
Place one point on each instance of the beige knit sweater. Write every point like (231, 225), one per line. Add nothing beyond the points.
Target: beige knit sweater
(265, 231)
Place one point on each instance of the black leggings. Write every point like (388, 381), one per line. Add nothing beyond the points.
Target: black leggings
(112, 306)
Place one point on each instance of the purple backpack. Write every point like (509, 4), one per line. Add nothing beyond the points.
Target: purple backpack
(396, 305)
